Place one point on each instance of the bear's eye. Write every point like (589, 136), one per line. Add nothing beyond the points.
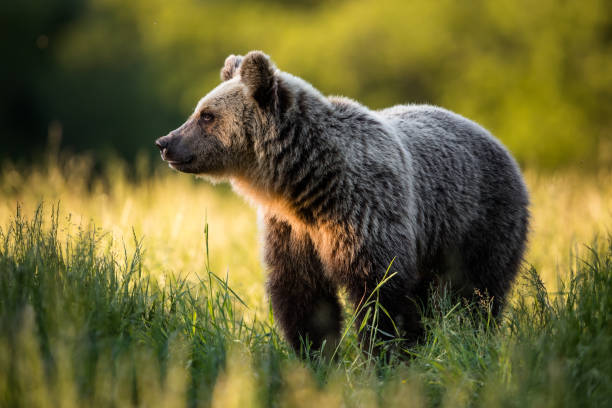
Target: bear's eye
(206, 117)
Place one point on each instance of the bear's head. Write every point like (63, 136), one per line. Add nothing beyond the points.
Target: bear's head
(218, 138)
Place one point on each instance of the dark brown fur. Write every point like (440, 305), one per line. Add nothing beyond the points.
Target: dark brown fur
(344, 190)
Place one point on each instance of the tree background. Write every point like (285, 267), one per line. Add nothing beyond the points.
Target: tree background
(109, 76)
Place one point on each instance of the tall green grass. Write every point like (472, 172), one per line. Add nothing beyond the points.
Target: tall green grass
(82, 325)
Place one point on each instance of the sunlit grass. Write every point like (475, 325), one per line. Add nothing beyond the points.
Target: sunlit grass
(103, 346)
(83, 325)
(169, 211)
(568, 210)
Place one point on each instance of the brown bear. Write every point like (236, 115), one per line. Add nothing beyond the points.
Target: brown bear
(343, 190)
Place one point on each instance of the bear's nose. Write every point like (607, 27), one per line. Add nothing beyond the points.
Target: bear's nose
(161, 143)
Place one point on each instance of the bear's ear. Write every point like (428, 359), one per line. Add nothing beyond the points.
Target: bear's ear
(257, 73)
(230, 67)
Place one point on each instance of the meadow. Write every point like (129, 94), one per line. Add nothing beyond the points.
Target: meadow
(123, 283)
(137, 286)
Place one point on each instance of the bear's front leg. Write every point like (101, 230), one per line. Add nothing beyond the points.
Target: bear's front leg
(304, 301)
(397, 324)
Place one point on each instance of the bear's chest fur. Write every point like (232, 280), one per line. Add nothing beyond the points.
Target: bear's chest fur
(336, 242)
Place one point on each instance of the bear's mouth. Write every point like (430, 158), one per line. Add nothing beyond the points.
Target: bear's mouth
(179, 163)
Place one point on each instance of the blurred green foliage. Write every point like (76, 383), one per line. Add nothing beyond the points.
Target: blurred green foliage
(109, 75)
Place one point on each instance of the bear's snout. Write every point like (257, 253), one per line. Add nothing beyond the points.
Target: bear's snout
(171, 151)
(162, 144)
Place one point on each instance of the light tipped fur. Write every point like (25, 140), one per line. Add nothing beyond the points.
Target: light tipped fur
(257, 73)
(231, 67)
(343, 190)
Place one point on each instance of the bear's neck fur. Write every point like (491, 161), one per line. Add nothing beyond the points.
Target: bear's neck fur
(300, 167)
(305, 166)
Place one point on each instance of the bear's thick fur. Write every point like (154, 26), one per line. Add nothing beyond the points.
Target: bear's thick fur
(343, 190)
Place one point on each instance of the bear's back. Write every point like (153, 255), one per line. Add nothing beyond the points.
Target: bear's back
(461, 173)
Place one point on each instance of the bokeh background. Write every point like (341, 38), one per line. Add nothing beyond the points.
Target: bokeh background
(110, 76)
(88, 85)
